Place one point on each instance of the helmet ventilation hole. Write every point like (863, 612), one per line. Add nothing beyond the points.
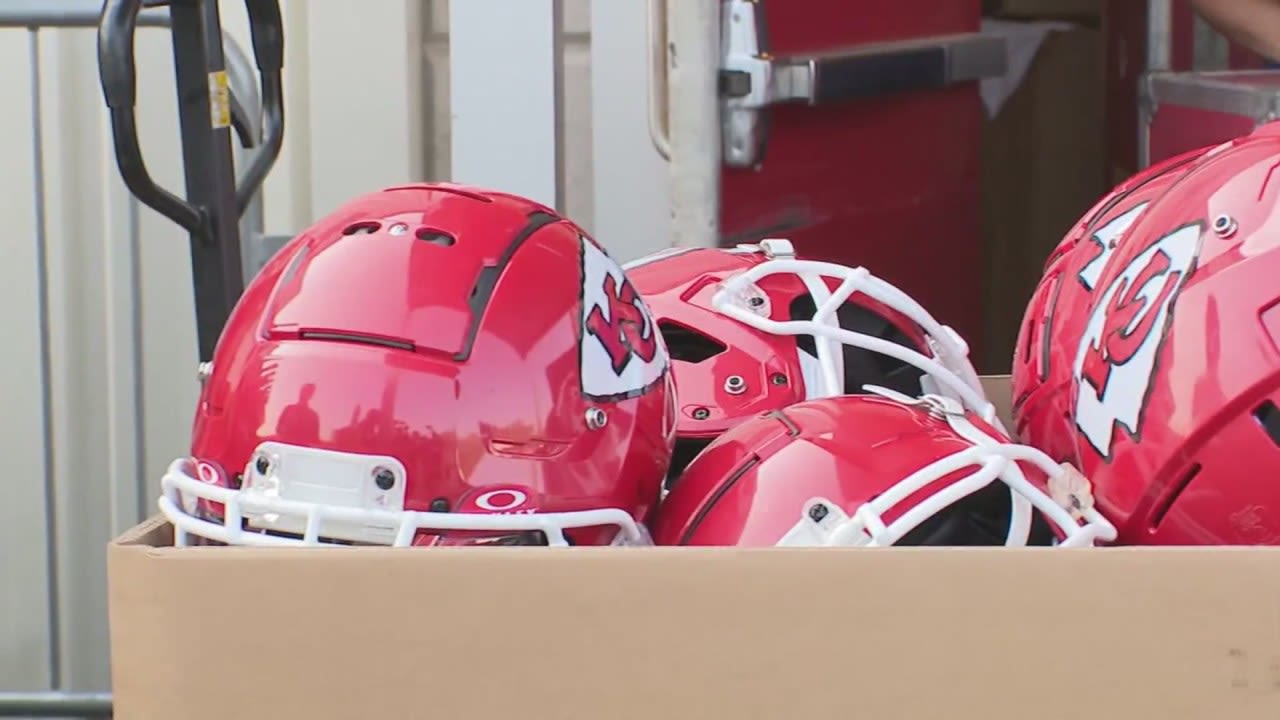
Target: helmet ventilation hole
(436, 237)
(688, 345)
(362, 228)
(1268, 417)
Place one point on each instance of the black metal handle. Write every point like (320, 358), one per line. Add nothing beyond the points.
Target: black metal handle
(117, 71)
(267, 28)
(905, 66)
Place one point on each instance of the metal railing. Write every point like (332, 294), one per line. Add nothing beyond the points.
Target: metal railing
(256, 248)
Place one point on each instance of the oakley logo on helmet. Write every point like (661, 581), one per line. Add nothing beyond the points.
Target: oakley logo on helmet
(621, 352)
(1116, 360)
(501, 501)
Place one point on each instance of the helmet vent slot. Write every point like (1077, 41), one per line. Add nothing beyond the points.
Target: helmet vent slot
(356, 338)
(435, 237)
(362, 228)
(689, 345)
(1268, 417)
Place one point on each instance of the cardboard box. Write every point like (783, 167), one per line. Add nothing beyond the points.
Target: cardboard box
(1079, 10)
(696, 633)
(1044, 165)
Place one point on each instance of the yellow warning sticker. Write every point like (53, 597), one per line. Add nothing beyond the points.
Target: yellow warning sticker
(219, 100)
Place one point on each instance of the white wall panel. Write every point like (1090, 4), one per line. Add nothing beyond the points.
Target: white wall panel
(504, 88)
(23, 602)
(629, 177)
(120, 312)
(364, 61)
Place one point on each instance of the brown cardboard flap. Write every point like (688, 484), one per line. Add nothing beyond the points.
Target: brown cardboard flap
(997, 388)
(695, 633)
(153, 532)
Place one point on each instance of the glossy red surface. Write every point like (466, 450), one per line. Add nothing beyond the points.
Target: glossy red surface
(454, 346)
(750, 486)
(1194, 467)
(678, 290)
(890, 183)
(1041, 382)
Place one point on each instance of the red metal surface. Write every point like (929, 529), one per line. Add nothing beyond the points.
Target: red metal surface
(1177, 129)
(1126, 30)
(890, 183)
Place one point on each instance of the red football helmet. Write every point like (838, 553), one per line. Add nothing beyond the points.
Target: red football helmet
(863, 470)
(1176, 378)
(431, 364)
(1055, 317)
(754, 328)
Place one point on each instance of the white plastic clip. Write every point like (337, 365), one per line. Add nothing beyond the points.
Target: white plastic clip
(937, 405)
(770, 247)
(1072, 490)
(819, 520)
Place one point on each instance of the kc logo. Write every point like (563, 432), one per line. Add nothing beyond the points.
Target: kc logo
(1104, 240)
(1116, 361)
(624, 331)
(621, 351)
(1125, 325)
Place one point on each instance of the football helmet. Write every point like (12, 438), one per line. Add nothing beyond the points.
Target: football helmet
(872, 471)
(1055, 316)
(1176, 375)
(755, 328)
(431, 364)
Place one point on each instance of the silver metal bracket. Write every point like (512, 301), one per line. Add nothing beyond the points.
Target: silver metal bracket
(752, 79)
(1247, 93)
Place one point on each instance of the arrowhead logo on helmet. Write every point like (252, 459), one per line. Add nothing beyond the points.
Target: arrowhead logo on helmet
(1105, 239)
(622, 354)
(1116, 360)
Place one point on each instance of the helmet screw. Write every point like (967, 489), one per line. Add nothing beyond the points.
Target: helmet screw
(1224, 226)
(735, 385)
(755, 301)
(398, 229)
(701, 413)
(262, 464)
(818, 512)
(778, 379)
(384, 478)
(203, 371)
(596, 418)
